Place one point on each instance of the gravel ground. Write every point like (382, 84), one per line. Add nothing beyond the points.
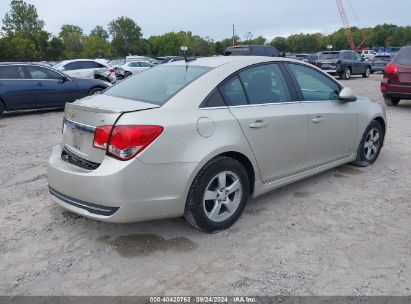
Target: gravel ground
(344, 232)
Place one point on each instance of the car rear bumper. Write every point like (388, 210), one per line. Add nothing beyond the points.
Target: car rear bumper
(397, 95)
(120, 192)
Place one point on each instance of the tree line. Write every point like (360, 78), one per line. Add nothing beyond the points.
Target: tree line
(23, 37)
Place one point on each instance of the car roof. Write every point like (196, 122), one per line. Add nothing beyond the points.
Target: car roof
(216, 61)
(25, 63)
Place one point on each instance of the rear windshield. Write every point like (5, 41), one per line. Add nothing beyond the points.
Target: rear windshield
(403, 56)
(329, 55)
(157, 85)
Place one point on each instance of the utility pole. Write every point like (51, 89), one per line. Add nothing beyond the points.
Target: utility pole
(233, 34)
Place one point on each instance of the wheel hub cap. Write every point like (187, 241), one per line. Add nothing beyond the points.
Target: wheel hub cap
(371, 144)
(222, 196)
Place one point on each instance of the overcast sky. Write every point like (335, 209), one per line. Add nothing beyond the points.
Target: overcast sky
(214, 18)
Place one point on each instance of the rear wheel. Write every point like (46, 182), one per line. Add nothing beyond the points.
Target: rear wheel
(370, 145)
(367, 73)
(218, 195)
(95, 91)
(391, 101)
(346, 74)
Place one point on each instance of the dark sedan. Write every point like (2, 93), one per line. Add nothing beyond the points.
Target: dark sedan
(26, 86)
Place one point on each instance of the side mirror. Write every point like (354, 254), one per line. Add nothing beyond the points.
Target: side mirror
(347, 95)
(63, 79)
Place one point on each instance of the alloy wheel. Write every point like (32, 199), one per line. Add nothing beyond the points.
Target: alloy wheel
(371, 144)
(222, 196)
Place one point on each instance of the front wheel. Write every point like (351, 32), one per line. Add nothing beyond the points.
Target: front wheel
(218, 195)
(370, 145)
(367, 73)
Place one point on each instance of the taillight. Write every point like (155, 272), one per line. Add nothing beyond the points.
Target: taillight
(125, 142)
(384, 87)
(101, 136)
(391, 68)
(318, 63)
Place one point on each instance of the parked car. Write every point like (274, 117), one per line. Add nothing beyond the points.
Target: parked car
(344, 64)
(310, 58)
(201, 139)
(396, 83)
(168, 59)
(135, 67)
(368, 54)
(379, 62)
(26, 86)
(252, 50)
(107, 74)
(80, 68)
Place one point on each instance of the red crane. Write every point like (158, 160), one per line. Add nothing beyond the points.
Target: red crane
(347, 28)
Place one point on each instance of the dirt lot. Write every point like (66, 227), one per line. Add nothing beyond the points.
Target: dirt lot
(344, 232)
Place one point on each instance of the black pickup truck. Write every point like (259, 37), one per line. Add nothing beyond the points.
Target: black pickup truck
(344, 64)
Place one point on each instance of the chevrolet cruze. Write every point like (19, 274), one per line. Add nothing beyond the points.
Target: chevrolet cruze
(198, 139)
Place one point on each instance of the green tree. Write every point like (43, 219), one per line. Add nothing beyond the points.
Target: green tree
(126, 37)
(55, 49)
(99, 32)
(280, 43)
(73, 39)
(22, 17)
(96, 47)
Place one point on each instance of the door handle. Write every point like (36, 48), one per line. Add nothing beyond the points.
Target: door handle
(318, 120)
(40, 84)
(258, 124)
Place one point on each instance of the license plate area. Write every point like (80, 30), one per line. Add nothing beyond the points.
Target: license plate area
(77, 140)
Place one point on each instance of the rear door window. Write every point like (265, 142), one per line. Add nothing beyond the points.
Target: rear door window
(265, 84)
(11, 72)
(41, 73)
(314, 85)
(87, 65)
(403, 56)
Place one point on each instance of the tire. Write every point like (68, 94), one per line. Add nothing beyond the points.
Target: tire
(391, 101)
(370, 146)
(367, 73)
(127, 74)
(2, 109)
(346, 74)
(214, 214)
(95, 91)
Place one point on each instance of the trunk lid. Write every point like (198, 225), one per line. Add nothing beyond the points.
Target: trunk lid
(404, 74)
(83, 116)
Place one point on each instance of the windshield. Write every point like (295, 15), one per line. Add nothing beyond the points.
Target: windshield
(329, 55)
(157, 85)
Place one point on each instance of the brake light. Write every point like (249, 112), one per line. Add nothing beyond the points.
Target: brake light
(101, 136)
(391, 68)
(384, 87)
(125, 142)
